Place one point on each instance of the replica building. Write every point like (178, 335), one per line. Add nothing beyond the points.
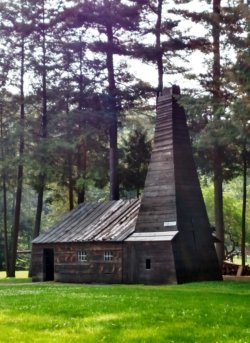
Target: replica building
(164, 237)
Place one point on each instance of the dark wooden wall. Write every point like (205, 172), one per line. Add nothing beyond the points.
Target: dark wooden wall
(67, 268)
(158, 204)
(194, 249)
(162, 266)
(37, 262)
(172, 198)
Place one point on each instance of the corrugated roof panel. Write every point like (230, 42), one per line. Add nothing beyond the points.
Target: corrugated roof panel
(104, 221)
(72, 224)
(85, 226)
(121, 223)
(151, 236)
(68, 222)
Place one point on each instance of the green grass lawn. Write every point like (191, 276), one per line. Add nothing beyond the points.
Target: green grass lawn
(196, 312)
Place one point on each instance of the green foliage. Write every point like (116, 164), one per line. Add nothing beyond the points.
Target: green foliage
(198, 312)
(133, 169)
(208, 133)
(232, 206)
(23, 261)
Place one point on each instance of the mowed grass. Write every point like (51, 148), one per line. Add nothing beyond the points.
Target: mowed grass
(195, 312)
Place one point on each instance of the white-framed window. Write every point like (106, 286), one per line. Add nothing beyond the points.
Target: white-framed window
(82, 256)
(108, 255)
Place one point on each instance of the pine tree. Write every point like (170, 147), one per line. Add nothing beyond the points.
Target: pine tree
(216, 126)
(161, 41)
(111, 20)
(42, 61)
(241, 84)
(133, 169)
(77, 110)
(5, 67)
(154, 24)
(20, 170)
(14, 20)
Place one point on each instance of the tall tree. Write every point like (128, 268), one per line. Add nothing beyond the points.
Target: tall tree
(161, 41)
(133, 169)
(76, 107)
(161, 31)
(217, 160)
(216, 122)
(15, 20)
(225, 23)
(4, 191)
(241, 117)
(42, 19)
(5, 67)
(111, 20)
(16, 224)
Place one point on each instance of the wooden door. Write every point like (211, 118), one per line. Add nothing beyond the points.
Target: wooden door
(48, 264)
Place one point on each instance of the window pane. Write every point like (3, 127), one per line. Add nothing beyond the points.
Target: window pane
(108, 255)
(82, 256)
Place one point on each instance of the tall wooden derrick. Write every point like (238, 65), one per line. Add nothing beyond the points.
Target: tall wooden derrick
(163, 238)
(172, 242)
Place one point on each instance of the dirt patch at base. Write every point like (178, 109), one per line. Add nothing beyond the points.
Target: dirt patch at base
(236, 278)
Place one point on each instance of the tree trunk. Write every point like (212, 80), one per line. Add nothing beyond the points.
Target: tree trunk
(39, 206)
(218, 175)
(16, 224)
(244, 203)
(82, 147)
(15, 230)
(69, 169)
(216, 52)
(113, 152)
(44, 119)
(81, 166)
(218, 206)
(6, 241)
(71, 188)
(39, 210)
(5, 221)
(159, 48)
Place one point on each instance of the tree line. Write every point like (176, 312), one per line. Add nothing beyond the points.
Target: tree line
(74, 120)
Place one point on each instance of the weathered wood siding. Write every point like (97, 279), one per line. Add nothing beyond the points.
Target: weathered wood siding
(158, 204)
(194, 249)
(162, 265)
(90, 222)
(37, 262)
(172, 198)
(67, 268)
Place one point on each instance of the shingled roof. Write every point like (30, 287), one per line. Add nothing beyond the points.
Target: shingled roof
(101, 221)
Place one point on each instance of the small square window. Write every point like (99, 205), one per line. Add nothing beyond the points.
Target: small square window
(82, 256)
(148, 263)
(108, 256)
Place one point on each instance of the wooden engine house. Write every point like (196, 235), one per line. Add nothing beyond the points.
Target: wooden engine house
(162, 238)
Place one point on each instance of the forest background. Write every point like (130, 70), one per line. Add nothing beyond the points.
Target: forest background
(78, 83)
